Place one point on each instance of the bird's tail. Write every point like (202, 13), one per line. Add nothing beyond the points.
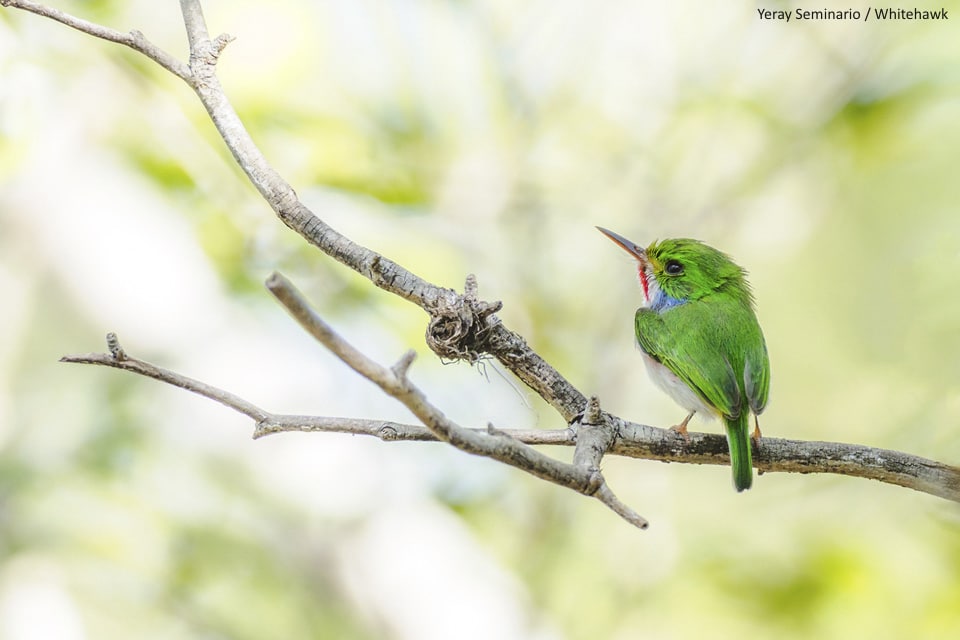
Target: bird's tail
(741, 458)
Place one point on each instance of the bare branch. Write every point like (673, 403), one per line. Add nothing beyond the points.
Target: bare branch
(464, 327)
(133, 39)
(461, 327)
(606, 496)
(389, 431)
(194, 22)
(794, 456)
(595, 436)
(113, 346)
(596, 433)
(163, 375)
(204, 52)
(268, 423)
(403, 364)
(775, 455)
(492, 444)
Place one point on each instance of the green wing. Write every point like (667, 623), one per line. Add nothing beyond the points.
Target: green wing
(756, 374)
(715, 346)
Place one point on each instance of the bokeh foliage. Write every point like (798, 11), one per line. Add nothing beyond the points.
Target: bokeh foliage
(485, 137)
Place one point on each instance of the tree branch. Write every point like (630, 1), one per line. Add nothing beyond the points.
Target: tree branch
(268, 423)
(459, 328)
(780, 455)
(133, 39)
(143, 368)
(494, 444)
(774, 455)
(464, 327)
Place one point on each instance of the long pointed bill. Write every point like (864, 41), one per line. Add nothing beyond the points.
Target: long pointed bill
(636, 251)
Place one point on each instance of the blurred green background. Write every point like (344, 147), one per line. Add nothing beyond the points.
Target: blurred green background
(457, 137)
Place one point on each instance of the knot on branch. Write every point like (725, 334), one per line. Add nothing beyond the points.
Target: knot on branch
(204, 55)
(388, 433)
(113, 345)
(458, 329)
(594, 482)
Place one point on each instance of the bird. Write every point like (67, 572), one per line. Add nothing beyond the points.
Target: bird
(698, 332)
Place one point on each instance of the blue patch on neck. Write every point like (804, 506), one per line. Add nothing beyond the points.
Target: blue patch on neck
(661, 302)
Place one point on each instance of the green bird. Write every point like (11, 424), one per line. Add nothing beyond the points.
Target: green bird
(700, 338)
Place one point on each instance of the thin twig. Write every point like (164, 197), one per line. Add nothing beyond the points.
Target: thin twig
(500, 342)
(390, 431)
(133, 39)
(775, 455)
(268, 423)
(492, 444)
(508, 347)
(164, 375)
(596, 433)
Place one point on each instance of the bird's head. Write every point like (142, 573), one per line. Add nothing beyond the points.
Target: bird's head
(678, 270)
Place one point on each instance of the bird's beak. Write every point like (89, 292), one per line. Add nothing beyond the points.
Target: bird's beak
(634, 250)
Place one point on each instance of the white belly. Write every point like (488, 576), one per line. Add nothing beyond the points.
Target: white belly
(677, 388)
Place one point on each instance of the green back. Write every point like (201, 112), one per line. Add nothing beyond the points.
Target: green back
(714, 344)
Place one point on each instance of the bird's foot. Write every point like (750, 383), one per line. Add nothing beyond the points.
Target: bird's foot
(681, 428)
(756, 431)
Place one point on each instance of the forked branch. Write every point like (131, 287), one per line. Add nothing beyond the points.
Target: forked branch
(462, 327)
(633, 440)
(496, 444)
(493, 443)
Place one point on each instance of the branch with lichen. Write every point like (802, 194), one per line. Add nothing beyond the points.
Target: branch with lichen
(460, 327)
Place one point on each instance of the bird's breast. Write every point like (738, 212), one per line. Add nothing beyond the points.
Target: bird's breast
(673, 386)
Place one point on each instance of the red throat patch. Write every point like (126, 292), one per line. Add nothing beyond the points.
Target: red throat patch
(642, 273)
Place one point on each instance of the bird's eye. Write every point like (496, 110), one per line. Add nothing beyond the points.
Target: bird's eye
(673, 268)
